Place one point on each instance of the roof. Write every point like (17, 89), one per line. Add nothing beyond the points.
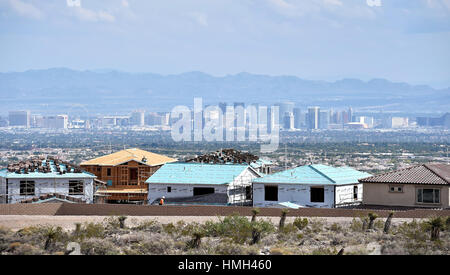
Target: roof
(135, 154)
(431, 173)
(197, 173)
(316, 174)
(52, 174)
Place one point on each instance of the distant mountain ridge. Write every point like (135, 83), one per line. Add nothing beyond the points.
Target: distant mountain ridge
(111, 91)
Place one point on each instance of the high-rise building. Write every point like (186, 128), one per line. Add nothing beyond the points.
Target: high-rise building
(19, 118)
(350, 114)
(298, 121)
(324, 119)
(56, 122)
(313, 118)
(138, 118)
(288, 121)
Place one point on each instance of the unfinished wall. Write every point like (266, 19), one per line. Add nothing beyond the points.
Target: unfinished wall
(295, 193)
(345, 194)
(2, 190)
(46, 186)
(157, 190)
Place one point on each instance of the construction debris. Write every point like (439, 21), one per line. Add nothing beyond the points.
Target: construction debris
(224, 156)
(43, 165)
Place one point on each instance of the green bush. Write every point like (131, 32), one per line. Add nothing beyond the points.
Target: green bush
(236, 227)
(301, 223)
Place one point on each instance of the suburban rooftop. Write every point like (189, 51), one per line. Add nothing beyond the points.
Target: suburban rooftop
(315, 174)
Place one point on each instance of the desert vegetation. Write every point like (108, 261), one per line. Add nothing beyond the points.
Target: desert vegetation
(235, 235)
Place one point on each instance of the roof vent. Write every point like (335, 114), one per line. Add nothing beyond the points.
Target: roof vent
(144, 159)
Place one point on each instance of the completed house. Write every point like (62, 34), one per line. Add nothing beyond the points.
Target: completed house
(197, 183)
(45, 180)
(425, 185)
(125, 173)
(309, 186)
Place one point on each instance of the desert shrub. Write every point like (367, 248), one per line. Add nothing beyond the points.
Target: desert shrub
(149, 226)
(88, 230)
(129, 239)
(415, 235)
(447, 223)
(435, 225)
(97, 246)
(5, 238)
(170, 228)
(335, 227)
(156, 244)
(196, 240)
(324, 251)
(356, 225)
(316, 225)
(288, 229)
(227, 247)
(42, 236)
(280, 251)
(301, 223)
(236, 227)
(24, 249)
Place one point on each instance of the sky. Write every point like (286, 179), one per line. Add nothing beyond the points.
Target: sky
(399, 40)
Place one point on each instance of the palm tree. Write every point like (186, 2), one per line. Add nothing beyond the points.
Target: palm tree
(372, 217)
(255, 212)
(283, 218)
(436, 224)
(387, 224)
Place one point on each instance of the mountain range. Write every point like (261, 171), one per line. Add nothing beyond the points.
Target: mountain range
(109, 91)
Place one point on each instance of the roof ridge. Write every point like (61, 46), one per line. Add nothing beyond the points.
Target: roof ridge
(426, 165)
(318, 171)
(392, 172)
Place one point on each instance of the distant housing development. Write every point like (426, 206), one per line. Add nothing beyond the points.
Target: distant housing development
(225, 184)
(424, 185)
(125, 173)
(45, 180)
(309, 186)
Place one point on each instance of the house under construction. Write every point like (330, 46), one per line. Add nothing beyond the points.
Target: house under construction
(42, 180)
(200, 183)
(125, 173)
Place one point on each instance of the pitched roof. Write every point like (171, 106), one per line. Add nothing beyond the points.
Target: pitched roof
(431, 173)
(315, 174)
(197, 173)
(135, 154)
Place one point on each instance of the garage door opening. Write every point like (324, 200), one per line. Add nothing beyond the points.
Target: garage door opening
(203, 191)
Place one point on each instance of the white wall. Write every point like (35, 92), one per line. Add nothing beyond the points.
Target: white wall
(2, 190)
(295, 193)
(344, 194)
(243, 180)
(157, 190)
(45, 186)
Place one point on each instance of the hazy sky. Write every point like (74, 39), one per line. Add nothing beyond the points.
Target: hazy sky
(400, 40)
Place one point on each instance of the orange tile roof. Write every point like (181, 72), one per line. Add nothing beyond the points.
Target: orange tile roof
(135, 154)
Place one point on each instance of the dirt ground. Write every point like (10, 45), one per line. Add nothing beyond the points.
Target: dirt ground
(16, 222)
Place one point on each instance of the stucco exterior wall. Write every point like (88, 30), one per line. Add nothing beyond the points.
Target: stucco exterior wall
(379, 194)
(295, 193)
(46, 186)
